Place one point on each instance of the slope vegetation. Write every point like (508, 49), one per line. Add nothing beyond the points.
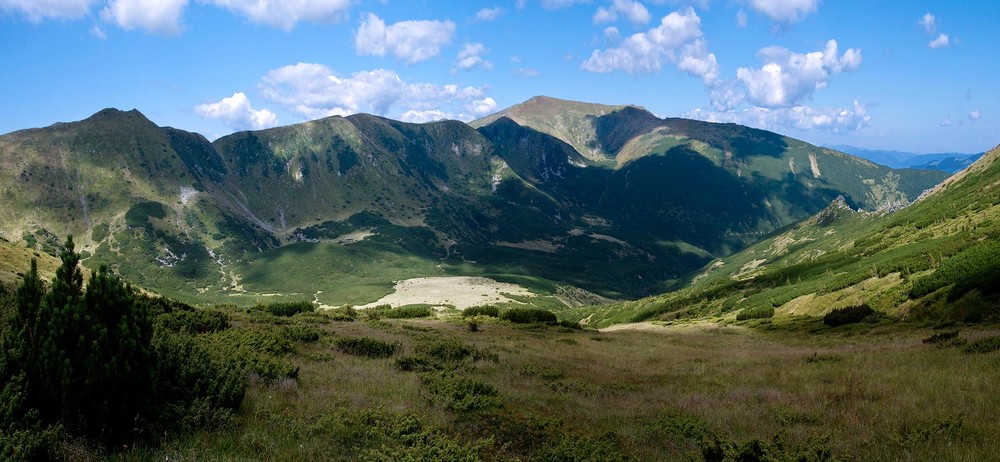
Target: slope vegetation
(938, 259)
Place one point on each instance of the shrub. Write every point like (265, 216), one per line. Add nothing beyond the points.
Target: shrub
(86, 355)
(194, 321)
(286, 308)
(941, 337)
(366, 346)
(345, 313)
(986, 345)
(485, 310)
(407, 312)
(521, 315)
(760, 312)
(446, 351)
(848, 315)
(460, 393)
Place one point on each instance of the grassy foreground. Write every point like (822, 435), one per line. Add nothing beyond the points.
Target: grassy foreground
(419, 389)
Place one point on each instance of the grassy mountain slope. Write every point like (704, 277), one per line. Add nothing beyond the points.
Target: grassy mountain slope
(609, 199)
(936, 259)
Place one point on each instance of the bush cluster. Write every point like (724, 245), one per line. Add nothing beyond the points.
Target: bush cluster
(760, 312)
(848, 315)
(523, 315)
(367, 347)
(286, 309)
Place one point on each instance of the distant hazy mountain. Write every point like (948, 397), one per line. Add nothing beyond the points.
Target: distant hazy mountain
(550, 193)
(949, 161)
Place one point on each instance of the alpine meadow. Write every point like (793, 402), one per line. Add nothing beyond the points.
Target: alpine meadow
(402, 269)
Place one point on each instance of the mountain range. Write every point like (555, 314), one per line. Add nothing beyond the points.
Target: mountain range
(950, 162)
(558, 196)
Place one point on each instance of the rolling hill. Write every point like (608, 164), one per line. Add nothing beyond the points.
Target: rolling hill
(558, 196)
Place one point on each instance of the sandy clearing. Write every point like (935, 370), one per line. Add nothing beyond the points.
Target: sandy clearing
(537, 244)
(459, 291)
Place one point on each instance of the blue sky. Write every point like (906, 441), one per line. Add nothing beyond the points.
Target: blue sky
(917, 76)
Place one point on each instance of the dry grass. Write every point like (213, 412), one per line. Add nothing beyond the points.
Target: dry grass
(875, 394)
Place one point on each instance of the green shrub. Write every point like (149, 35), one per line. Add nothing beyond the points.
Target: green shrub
(407, 312)
(366, 346)
(446, 351)
(194, 321)
(760, 312)
(986, 345)
(848, 315)
(86, 355)
(286, 308)
(459, 393)
(416, 363)
(485, 310)
(522, 315)
(345, 313)
(941, 337)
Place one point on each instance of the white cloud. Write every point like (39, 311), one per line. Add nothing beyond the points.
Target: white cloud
(470, 57)
(785, 11)
(37, 10)
(635, 12)
(481, 107)
(285, 14)
(237, 112)
(975, 115)
(314, 91)
(696, 60)
(156, 16)
(929, 22)
(646, 52)
(727, 95)
(612, 34)
(741, 18)
(410, 41)
(787, 77)
(527, 72)
(946, 122)
(797, 117)
(940, 42)
(489, 14)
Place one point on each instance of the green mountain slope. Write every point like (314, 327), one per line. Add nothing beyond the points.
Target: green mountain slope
(553, 194)
(937, 259)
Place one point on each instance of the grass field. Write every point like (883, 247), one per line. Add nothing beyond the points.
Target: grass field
(690, 391)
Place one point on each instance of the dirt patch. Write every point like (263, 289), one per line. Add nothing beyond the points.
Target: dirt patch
(460, 292)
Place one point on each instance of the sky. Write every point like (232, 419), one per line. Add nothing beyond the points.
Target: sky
(916, 76)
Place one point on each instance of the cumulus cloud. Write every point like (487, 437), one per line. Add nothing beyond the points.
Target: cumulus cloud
(470, 57)
(237, 112)
(410, 41)
(158, 17)
(785, 11)
(798, 117)
(975, 115)
(929, 23)
(489, 14)
(37, 10)
(647, 52)
(940, 42)
(612, 34)
(946, 122)
(635, 12)
(788, 77)
(314, 91)
(481, 107)
(285, 14)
